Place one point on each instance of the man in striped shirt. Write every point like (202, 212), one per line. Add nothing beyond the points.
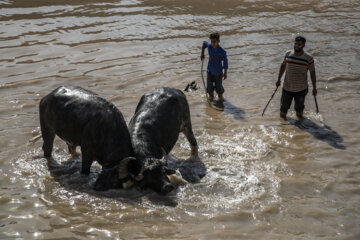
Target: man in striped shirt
(296, 64)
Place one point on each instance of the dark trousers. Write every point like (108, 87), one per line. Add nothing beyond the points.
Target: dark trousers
(287, 97)
(214, 80)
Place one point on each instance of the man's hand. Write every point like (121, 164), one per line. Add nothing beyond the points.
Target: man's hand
(313, 80)
(314, 92)
(202, 57)
(224, 76)
(278, 83)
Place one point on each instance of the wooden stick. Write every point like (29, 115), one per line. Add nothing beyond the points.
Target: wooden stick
(202, 77)
(317, 107)
(269, 100)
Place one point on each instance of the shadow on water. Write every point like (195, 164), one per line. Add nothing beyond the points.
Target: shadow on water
(192, 169)
(228, 108)
(67, 174)
(231, 109)
(323, 133)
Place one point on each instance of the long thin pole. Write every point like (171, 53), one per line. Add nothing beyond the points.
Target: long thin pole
(202, 77)
(269, 100)
(317, 107)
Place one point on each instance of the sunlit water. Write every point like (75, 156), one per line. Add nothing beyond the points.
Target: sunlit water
(265, 178)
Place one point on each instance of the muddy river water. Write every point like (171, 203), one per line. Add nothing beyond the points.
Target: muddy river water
(266, 178)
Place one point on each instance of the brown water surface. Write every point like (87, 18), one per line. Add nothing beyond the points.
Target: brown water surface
(266, 178)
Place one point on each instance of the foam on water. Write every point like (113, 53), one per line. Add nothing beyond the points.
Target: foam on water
(240, 170)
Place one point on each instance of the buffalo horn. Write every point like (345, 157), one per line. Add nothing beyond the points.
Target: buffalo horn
(123, 172)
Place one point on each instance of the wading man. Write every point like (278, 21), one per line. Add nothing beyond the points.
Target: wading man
(217, 66)
(296, 64)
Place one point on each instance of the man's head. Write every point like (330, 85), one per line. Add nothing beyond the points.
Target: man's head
(215, 39)
(299, 44)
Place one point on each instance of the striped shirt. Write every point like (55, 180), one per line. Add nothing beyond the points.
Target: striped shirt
(296, 71)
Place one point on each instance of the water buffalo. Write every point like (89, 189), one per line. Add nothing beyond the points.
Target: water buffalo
(154, 129)
(82, 118)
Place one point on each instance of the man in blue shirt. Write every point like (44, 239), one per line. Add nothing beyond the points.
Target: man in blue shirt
(217, 62)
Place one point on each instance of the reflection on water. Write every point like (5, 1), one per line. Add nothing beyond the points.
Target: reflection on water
(265, 178)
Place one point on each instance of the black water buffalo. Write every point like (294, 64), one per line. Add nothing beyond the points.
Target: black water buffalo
(82, 118)
(154, 129)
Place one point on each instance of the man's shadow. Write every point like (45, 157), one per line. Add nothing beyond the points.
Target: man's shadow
(228, 108)
(231, 109)
(323, 133)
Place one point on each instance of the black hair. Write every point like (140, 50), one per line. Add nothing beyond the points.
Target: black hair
(215, 35)
(300, 39)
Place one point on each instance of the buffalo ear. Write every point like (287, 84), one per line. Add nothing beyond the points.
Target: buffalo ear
(169, 171)
(177, 180)
(123, 167)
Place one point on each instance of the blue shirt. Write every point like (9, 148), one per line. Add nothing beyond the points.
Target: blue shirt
(217, 59)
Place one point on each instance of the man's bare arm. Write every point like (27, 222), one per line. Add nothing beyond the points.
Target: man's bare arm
(313, 80)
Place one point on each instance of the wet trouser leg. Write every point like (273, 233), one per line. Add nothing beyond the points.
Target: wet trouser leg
(286, 99)
(214, 82)
(299, 98)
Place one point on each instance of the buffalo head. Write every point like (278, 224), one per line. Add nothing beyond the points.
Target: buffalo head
(120, 176)
(154, 175)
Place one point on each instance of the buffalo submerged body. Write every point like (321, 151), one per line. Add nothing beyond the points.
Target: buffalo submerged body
(82, 118)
